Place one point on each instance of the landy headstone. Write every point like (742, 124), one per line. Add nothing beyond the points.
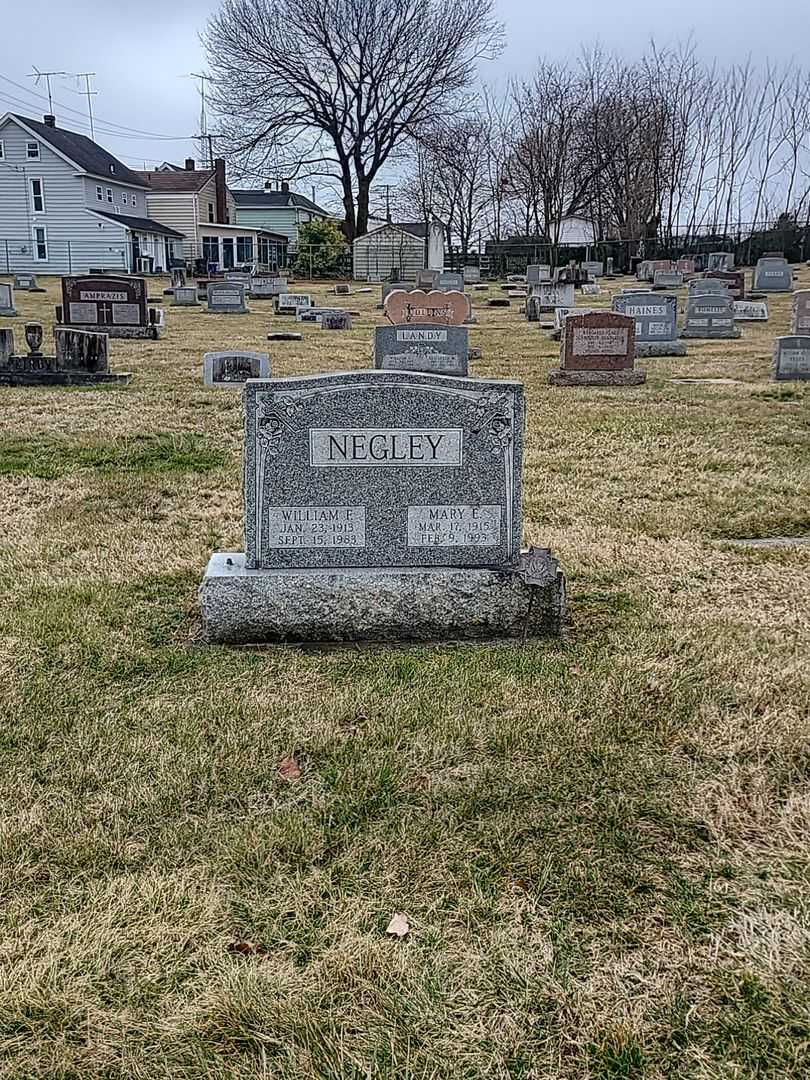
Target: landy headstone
(7, 300)
(231, 370)
(598, 350)
(800, 323)
(443, 350)
(111, 305)
(382, 505)
(226, 298)
(791, 358)
(720, 260)
(750, 311)
(656, 318)
(710, 316)
(80, 359)
(773, 275)
(291, 303)
(185, 296)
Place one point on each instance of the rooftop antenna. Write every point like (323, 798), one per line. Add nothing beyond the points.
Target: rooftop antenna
(203, 121)
(89, 94)
(46, 75)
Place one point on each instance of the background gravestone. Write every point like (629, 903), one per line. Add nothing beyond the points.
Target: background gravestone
(537, 273)
(720, 260)
(7, 308)
(550, 295)
(667, 279)
(450, 282)
(562, 313)
(443, 350)
(441, 308)
(231, 369)
(472, 275)
(710, 316)
(266, 288)
(27, 283)
(598, 350)
(734, 280)
(226, 298)
(704, 286)
(291, 303)
(750, 311)
(383, 469)
(594, 269)
(656, 318)
(336, 320)
(6, 345)
(800, 322)
(773, 275)
(185, 296)
(791, 358)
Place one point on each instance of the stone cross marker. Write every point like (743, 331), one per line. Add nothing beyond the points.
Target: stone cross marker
(710, 315)
(111, 305)
(791, 358)
(773, 275)
(231, 370)
(656, 317)
(383, 469)
(185, 296)
(443, 350)
(801, 312)
(7, 300)
(750, 311)
(597, 350)
(226, 298)
(439, 308)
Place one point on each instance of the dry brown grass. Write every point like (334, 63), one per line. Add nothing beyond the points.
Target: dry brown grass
(601, 845)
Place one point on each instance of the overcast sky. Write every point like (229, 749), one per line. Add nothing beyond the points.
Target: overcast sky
(142, 53)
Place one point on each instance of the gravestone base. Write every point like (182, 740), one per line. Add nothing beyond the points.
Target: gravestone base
(701, 335)
(660, 348)
(245, 607)
(622, 377)
(63, 378)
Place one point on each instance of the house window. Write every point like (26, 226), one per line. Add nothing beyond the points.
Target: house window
(2, 151)
(210, 249)
(210, 211)
(109, 195)
(244, 249)
(37, 196)
(32, 151)
(41, 244)
(124, 199)
(99, 193)
(134, 200)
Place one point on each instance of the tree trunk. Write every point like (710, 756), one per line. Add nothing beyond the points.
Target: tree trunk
(348, 206)
(363, 192)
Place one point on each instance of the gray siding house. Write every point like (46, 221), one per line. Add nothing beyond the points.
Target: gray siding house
(279, 212)
(67, 205)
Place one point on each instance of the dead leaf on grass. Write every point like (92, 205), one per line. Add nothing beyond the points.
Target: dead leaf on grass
(288, 769)
(247, 948)
(399, 926)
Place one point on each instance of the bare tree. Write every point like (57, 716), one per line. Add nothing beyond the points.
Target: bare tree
(339, 86)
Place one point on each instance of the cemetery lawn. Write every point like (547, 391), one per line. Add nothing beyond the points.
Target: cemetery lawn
(600, 845)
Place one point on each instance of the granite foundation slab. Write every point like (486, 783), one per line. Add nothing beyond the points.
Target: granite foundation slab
(152, 332)
(645, 349)
(63, 378)
(622, 377)
(240, 606)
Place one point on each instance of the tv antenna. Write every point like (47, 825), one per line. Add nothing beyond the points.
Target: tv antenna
(203, 121)
(46, 75)
(89, 94)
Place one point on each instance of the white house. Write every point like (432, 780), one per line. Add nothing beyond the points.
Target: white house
(67, 205)
(398, 249)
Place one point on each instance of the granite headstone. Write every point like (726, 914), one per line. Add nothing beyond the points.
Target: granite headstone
(710, 316)
(773, 275)
(656, 317)
(598, 350)
(231, 369)
(439, 349)
(791, 358)
(7, 300)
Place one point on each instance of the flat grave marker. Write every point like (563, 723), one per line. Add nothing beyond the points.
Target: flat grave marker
(750, 311)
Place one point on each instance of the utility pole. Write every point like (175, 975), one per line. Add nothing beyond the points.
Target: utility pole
(46, 75)
(89, 94)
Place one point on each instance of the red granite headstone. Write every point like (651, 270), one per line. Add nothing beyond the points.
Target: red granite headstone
(735, 279)
(598, 342)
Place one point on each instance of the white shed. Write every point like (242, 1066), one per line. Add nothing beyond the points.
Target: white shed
(398, 249)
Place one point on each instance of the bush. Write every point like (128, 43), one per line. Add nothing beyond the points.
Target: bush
(321, 249)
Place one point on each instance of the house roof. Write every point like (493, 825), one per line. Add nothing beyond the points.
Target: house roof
(140, 224)
(83, 152)
(176, 181)
(275, 200)
(416, 229)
